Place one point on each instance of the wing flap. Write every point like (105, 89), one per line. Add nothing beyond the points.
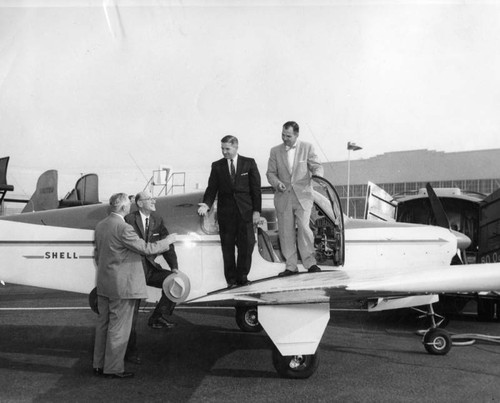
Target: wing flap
(298, 289)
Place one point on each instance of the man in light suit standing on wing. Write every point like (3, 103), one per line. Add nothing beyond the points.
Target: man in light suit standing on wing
(290, 168)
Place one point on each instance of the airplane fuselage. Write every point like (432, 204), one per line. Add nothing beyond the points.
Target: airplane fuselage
(387, 263)
(54, 249)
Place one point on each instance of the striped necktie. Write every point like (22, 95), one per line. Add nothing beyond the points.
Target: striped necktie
(146, 230)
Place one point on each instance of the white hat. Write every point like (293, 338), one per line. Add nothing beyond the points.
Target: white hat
(177, 287)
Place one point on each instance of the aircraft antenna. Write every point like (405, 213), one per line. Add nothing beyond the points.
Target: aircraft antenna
(322, 151)
(138, 167)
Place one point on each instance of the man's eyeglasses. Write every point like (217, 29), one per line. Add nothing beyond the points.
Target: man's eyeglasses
(153, 199)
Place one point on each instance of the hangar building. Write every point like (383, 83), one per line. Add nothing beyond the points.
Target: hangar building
(402, 172)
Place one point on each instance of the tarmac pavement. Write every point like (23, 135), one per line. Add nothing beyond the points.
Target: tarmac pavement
(46, 356)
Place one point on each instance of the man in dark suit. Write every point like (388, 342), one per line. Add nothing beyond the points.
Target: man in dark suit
(150, 227)
(120, 283)
(235, 181)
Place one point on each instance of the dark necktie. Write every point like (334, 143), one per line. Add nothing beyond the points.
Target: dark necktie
(146, 230)
(233, 172)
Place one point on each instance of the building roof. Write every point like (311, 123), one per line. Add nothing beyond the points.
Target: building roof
(417, 166)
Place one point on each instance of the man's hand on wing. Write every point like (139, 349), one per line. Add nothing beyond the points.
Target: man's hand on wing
(256, 218)
(202, 209)
(171, 238)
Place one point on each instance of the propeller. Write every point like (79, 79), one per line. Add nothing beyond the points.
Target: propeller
(437, 208)
(463, 241)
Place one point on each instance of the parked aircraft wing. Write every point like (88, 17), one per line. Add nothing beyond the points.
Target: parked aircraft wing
(306, 288)
(433, 280)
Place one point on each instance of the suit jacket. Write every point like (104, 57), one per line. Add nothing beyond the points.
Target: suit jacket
(157, 231)
(117, 253)
(305, 165)
(245, 191)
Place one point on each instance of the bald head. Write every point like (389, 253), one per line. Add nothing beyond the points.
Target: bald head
(145, 202)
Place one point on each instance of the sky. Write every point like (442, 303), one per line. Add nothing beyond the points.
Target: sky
(119, 88)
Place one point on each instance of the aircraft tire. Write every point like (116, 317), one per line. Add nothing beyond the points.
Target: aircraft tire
(437, 341)
(247, 319)
(295, 366)
(93, 300)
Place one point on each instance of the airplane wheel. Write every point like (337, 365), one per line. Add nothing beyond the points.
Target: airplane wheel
(295, 366)
(437, 341)
(247, 319)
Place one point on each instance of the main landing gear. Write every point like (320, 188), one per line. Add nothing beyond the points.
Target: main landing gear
(247, 319)
(295, 366)
(300, 366)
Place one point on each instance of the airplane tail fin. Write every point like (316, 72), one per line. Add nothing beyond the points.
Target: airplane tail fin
(86, 191)
(45, 196)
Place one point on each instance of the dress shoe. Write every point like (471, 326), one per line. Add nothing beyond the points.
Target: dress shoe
(98, 371)
(313, 269)
(161, 323)
(120, 375)
(287, 273)
(243, 283)
(134, 359)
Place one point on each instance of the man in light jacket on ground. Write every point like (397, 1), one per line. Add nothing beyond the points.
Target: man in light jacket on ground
(120, 282)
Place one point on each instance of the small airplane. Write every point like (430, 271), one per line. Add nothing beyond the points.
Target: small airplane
(387, 265)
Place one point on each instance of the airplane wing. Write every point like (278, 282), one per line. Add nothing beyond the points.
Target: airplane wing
(294, 311)
(306, 288)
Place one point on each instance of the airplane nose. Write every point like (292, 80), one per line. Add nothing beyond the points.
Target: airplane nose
(463, 241)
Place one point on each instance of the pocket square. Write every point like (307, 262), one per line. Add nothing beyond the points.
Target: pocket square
(243, 174)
